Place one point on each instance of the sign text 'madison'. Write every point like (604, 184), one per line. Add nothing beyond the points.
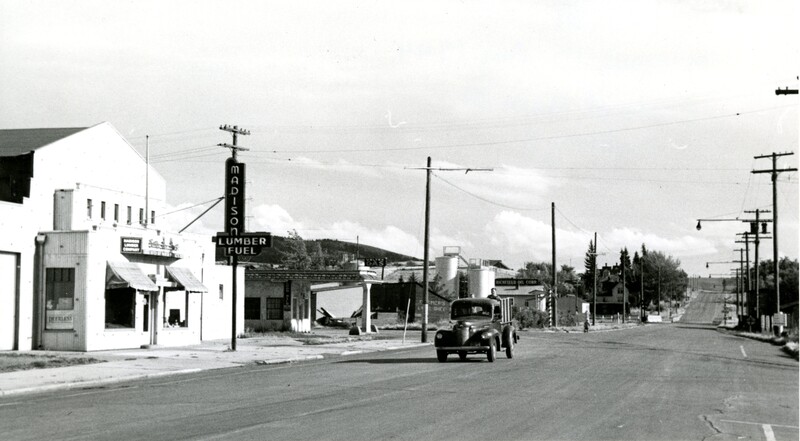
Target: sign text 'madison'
(234, 197)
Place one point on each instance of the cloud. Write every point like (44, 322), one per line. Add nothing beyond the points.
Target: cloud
(505, 184)
(335, 166)
(524, 239)
(275, 219)
(678, 246)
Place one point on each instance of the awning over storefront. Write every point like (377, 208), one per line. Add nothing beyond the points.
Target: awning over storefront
(185, 279)
(127, 275)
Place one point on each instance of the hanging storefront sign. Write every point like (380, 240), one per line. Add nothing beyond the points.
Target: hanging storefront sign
(516, 282)
(150, 247)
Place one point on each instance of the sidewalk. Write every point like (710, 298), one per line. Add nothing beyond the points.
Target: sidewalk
(134, 364)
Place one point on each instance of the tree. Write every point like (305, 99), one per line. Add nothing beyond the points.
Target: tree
(789, 283)
(625, 259)
(318, 260)
(537, 270)
(543, 272)
(662, 272)
(635, 285)
(589, 265)
(296, 256)
(567, 279)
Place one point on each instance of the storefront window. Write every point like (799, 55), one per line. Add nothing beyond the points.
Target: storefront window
(120, 306)
(59, 297)
(274, 308)
(176, 305)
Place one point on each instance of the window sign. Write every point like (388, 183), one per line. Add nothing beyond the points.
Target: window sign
(59, 298)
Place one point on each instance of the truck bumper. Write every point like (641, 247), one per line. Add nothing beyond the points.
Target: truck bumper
(463, 348)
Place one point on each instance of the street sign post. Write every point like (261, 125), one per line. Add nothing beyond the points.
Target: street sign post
(378, 261)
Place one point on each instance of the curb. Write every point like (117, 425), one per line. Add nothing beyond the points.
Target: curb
(93, 383)
(289, 360)
(106, 381)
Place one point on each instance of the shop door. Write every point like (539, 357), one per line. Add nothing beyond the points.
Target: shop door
(148, 314)
(9, 300)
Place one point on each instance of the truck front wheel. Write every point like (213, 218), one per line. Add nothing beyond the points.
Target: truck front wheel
(491, 355)
(508, 338)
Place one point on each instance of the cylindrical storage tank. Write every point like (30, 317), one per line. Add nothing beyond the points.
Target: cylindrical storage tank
(481, 282)
(447, 270)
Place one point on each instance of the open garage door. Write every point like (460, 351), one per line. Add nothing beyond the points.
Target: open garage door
(9, 300)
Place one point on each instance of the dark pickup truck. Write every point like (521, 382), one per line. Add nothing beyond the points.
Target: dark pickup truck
(482, 325)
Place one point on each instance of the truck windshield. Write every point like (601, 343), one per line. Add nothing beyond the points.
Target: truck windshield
(471, 311)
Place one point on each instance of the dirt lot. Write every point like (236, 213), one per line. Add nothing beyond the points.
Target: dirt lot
(17, 361)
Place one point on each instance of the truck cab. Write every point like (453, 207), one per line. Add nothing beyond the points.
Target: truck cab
(480, 325)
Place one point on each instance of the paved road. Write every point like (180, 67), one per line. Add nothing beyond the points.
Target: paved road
(659, 382)
(705, 307)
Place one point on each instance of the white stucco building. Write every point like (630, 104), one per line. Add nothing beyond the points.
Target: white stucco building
(84, 262)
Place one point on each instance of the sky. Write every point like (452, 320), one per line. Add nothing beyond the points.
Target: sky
(634, 119)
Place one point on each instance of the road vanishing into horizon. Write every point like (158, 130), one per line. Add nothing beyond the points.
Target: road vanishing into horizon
(655, 382)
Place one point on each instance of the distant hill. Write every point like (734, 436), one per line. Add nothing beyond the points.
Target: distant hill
(335, 251)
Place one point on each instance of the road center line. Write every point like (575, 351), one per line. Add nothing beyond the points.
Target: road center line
(760, 424)
(743, 352)
(768, 433)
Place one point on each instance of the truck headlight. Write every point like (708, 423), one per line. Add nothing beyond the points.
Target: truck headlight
(438, 336)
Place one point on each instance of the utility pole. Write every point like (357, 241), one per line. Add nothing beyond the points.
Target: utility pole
(147, 180)
(624, 292)
(747, 281)
(234, 259)
(424, 337)
(554, 293)
(776, 264)
(757, 241)
(594, 255)
(594, 272)
(641, 290)
(658, 305)
(428, 169)
(740, 297)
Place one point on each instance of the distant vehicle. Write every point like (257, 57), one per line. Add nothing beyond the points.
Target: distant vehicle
(481, 326)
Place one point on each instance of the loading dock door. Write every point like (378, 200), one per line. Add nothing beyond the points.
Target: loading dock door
(9, 300)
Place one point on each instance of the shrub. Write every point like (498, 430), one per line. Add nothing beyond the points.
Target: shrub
(530, 318)
(568, 319)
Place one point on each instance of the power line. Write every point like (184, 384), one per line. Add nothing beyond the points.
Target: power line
(488, 201)
(503, 121)
(534, 139)
(190, 207)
